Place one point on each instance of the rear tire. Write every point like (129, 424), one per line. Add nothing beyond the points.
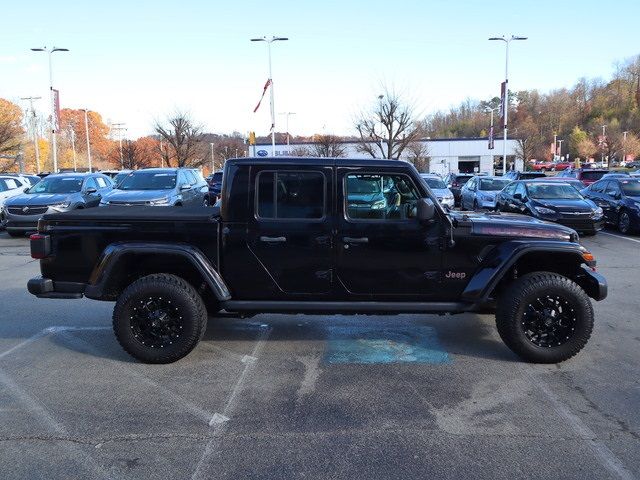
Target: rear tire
(159, 318)
(624, 222)
(544, 317)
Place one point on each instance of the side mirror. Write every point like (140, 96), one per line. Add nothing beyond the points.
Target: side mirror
(426, 209)
(186, 186)
(90, 190)
(26, 189)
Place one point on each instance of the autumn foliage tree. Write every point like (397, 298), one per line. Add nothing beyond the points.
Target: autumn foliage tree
(72, 123)
(11, 133)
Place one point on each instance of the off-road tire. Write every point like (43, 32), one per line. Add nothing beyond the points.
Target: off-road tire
(515, 300)
(188, 305)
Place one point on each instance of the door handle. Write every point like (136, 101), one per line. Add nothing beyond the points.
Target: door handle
(355, 240)
(273, 239)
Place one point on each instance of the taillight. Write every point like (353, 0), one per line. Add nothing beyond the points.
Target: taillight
(455, 184)
(40, 245)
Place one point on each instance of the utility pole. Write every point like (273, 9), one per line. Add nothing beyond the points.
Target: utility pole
(624, 146)
(73, 148)
(213, 162)
(119, 127)
(86, 131)
(505, 106)
(604, 139)
(32, 126)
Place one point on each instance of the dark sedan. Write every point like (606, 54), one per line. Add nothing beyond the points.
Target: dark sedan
(215, 186)
(552, 201)
(620, 200)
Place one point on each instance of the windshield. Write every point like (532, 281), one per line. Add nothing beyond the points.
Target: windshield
(630, 188)
(435, 183)
(57, 185)
(360, 184)
(592, 175)
(119, 177)
(550, 191)
(493, 184)
(148, 181)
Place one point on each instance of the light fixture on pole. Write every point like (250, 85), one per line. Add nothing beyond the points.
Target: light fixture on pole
(54, 113)
(86, 131)
(287, 125)
(269, 41)
(32, 125)
(505, 106)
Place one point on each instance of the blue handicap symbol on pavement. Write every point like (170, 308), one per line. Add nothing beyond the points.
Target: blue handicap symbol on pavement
(358, 344)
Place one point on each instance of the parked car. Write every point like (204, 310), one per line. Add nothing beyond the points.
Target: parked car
(60, 192)
(23, 177)
(9, 187)
(620, 174)
(515, 175)
(287, 239)
(455, 182)
(158, 187)
(439, 188)
(586, 175)
(577, 184)
(215, 187)
(480, 192)
(620, 200)
(551, 201)
(634, 164)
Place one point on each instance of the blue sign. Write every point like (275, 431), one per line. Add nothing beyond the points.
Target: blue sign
(262, 153)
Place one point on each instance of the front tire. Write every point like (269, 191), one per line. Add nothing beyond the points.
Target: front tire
(544, 317)
(159, 318)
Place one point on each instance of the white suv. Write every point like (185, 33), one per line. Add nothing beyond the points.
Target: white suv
(10, 187)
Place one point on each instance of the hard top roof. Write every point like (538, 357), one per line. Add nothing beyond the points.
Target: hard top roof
(321, 161)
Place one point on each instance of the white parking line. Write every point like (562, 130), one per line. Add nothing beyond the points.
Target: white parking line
(607, 458)
(222, 419)
(45, 332)
(619, 236)
(36, 408)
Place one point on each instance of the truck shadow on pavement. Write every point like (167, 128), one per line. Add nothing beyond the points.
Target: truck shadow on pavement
(468, 335)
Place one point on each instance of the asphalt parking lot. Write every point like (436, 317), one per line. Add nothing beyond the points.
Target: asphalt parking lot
(276, 396)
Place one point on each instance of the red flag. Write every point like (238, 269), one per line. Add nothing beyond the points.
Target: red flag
(264, 90)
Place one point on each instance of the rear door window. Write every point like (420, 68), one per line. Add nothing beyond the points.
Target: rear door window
(290, 195)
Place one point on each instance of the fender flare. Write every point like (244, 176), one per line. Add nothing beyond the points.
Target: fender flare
(494, 267)
(114, 252)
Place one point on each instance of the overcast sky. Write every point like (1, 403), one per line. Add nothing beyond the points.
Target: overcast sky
(137, 61)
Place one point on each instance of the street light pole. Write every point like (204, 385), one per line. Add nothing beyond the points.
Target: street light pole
(604, 139)
(624, 146)
(73, 148)
(287, 125)
(213, 163)
(120, 127)
(54, 126)
(505, 107)
(32, 124)
(269, 41)
(560, 147)
(86, 131)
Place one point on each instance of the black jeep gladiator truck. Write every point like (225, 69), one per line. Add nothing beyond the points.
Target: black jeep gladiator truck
(319, 236)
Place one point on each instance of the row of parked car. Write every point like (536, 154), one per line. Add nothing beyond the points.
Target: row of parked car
(584, 200)
(24, 200)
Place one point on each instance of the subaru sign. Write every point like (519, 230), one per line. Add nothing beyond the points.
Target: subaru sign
(262, 153)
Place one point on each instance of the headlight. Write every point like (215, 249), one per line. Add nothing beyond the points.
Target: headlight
(161, 201)
(61, 206)
(544, 211)
(597, 213)
(379, 205)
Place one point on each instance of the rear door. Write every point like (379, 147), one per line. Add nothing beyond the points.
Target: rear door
(290, 231)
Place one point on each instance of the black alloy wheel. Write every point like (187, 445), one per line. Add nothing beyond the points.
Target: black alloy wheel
(156, 322)
(549, 321)
(624, 222)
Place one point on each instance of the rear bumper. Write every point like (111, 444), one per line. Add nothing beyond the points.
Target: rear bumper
(47, 288)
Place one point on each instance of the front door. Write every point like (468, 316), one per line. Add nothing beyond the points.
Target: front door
(382, 250)
(290, 232)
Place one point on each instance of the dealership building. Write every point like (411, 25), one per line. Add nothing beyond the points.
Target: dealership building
(458, 155)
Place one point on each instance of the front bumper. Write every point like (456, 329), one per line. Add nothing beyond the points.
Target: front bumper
(486, 203)
(594, 284)
(47, 288)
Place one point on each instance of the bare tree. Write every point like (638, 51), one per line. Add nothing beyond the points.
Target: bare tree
(300, 151)
(388, 128)
(328, 146)
(183, 141)
(418, 155)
